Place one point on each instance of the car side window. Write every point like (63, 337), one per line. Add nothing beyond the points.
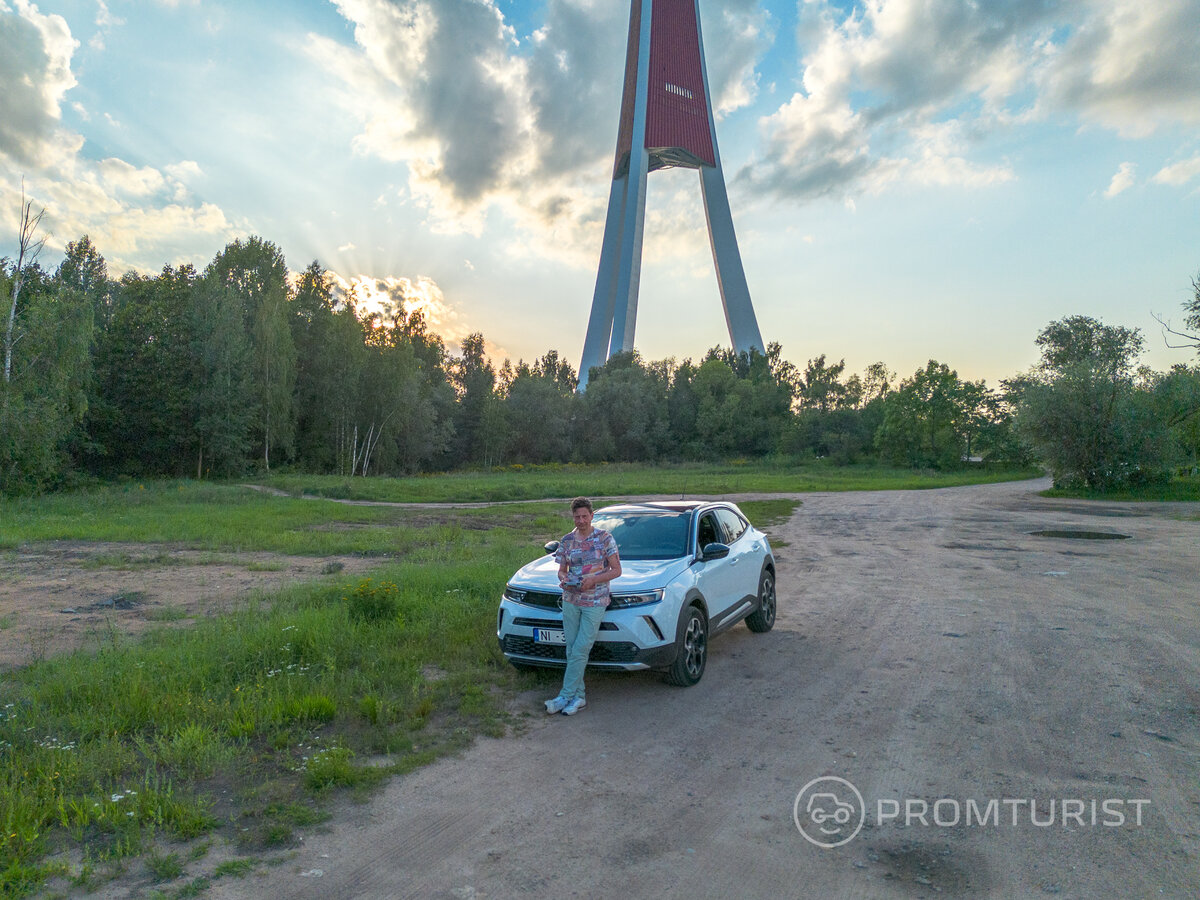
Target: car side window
(733, 524)
(708, 532)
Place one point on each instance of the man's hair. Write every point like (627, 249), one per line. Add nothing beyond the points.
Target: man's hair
(581, 503)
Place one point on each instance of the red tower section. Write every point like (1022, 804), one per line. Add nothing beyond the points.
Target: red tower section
(677, 106)
(678, 131)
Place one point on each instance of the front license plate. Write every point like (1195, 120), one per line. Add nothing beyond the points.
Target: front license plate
(548, 636)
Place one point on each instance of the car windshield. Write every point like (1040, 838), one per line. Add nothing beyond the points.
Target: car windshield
(647, 534)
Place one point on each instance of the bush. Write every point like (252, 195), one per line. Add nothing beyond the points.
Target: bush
(371, 602)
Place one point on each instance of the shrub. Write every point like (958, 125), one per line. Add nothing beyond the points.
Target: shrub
(374, 602)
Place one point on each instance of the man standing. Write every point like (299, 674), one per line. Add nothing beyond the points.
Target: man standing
(587, 562)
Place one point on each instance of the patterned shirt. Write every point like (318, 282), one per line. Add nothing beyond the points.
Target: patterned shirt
(585, 557)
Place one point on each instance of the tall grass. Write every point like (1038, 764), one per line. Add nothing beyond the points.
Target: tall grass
(628, 480)
(1181, 488)
(222, 518)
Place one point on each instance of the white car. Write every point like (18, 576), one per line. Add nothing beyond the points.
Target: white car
(689, 570)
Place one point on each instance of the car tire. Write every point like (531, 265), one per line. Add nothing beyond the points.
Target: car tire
(763, 618)
(693, 650)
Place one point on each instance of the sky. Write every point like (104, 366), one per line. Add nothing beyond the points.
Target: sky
(909, 179)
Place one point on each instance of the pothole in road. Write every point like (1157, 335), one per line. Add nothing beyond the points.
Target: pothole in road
(1083, 535)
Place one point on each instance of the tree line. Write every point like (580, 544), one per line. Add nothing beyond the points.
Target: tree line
(242, 367)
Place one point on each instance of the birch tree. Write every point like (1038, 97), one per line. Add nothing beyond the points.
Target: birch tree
(29, 247)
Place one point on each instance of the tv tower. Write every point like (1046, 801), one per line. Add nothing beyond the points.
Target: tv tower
(666, 120)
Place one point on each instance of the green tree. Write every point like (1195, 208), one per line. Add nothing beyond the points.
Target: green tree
(769, 386)
(255, 271)
(1177, 403)
(478, 428)
(1081, 411)
(931, 418)
(219, 354)
(623, 415)
(426, 437)
(723, 426)
(400, 422)
(331, 354)
(540, 402)
(821, 386)
(830, 421)
(83, 269)
(140, 421)
(876, 382)
(682, 410)
(45, 392)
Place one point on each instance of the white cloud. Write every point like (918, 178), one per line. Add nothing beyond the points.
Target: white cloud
(104, 16)
(128, 211)
(35, 69)
(880, 93)
(1130, 66)
(1178, 174)
(736, 34)
(1122, 181)
(105, 22)
(185, 170)
(120, 177)
(910, 89)
(527, 131)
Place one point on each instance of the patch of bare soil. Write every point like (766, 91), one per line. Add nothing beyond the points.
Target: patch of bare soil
(63, 595)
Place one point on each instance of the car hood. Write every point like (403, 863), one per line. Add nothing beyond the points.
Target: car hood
(636, 574)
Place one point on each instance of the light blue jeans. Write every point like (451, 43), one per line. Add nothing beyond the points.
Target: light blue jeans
(580, 624)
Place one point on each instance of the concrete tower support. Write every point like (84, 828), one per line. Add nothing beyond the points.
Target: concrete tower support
(666, 120)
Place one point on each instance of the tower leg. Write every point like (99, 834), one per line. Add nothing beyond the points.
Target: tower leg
(600, 322)
(731, 277)
(629, 270)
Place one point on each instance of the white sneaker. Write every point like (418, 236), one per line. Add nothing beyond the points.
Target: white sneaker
(557, 705)
(574, 706)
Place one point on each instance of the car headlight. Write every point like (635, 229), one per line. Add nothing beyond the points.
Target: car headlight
(642, 598)
(512, 593)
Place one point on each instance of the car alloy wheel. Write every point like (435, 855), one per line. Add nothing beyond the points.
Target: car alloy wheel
(763, 618)
(693, 651)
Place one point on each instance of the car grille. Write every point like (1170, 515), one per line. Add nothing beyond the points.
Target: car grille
(543, 599)
(554, 623)
(602, 651)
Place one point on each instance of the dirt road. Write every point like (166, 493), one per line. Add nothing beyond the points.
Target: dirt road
(929, 649)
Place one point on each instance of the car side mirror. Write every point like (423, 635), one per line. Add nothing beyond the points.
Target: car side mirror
(714, 551)
(552, 546)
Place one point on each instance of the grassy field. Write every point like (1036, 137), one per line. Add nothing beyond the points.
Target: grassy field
(620, 480)
(239, 727)
(136, 759)
(1183, 488)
